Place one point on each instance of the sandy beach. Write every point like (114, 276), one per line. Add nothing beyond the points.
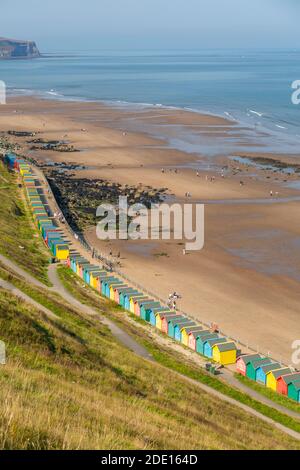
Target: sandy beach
(247, 276)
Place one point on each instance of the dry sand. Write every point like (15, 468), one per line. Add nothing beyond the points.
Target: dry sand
(247, 277)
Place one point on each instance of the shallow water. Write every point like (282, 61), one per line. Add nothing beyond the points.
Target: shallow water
(250, 86)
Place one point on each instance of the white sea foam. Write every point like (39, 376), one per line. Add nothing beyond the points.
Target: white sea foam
(255, 112)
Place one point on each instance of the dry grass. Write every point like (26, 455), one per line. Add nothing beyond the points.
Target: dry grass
(69, 385)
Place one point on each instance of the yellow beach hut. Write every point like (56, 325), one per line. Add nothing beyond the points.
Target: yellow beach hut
(274, 375)
(133, 298)
(159, 316)
(225, 353)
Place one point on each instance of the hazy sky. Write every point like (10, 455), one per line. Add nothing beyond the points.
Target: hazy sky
(152, 24)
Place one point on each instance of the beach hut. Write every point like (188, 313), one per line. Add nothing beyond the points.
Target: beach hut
(202, 338)
(172, 322)
(112, 290)
(56, 235)
(73, 261)
(47, 229)
(185, 333)
(274, 375)
(294, 391)
(55, 244)
(81, 264)
(159, 316)
(146, 308)
(10, 159)
(225, 353)
(118, 290)
(133, 299)
(87, 273)
(243, 361)
(261, 373)
(62, 252)
(124, 291)
(105, 284)
(126, 298)
(165, 321)
(193, 337)
(210, 343)
(178, 328)
(285, 380)
(137, 305)
(154, 312)
(96, 279)
(253, 365)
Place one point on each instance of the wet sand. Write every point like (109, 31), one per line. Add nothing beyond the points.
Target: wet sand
(247, 277)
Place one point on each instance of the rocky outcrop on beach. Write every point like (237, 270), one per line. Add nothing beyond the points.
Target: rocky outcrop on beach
(18, 49)
(80, 197)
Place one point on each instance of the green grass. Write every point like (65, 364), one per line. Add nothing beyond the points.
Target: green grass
(19, 238)
(268, 393)
(167, 357)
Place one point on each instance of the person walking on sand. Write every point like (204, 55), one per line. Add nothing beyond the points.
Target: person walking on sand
(271, 193)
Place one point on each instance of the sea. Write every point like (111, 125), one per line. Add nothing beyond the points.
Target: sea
(252, 87)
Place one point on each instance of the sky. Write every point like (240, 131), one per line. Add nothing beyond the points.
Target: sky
(152, 24)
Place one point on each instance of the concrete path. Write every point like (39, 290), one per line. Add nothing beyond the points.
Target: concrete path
(59, 289)
(130, 343)
(18, 293)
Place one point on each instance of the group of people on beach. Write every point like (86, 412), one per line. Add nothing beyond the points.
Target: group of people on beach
(172, 304)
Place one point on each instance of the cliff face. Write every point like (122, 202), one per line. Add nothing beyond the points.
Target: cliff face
(17, 49)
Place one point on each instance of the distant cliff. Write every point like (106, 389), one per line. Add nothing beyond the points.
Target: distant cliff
(18, 49)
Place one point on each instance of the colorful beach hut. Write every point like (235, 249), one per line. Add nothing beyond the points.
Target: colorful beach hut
(243, 361)
(133, 299)
(154, 312)
(146, 309)
(202, 338)
(285, 380)
(294, 391)
(193, 337)
(172, 322)
(160, 316)
(179, 327)
(225, 353)
(112, 290)
(96, 279)
(253, 365)
(127, 296)
(123, 292)
(185, 333)
(138, 303)
(166, 319)
(274, 375)
(208, 345)
(261, 373)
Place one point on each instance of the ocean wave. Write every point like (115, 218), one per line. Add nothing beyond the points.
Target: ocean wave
(252, 111)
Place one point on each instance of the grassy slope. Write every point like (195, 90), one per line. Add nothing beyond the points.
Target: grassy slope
(17, 229)
(68, 384)
(171, 359)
